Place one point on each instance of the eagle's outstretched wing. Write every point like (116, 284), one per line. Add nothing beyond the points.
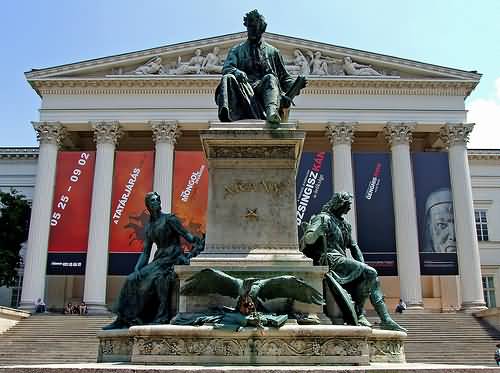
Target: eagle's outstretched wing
(211, 281)
(286, 287)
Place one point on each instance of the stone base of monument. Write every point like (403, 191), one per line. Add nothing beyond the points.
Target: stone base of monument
(288, 345)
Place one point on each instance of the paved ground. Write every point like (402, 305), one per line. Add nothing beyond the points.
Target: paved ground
(128, 368)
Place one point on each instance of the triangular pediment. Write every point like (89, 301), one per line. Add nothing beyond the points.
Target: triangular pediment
(204, 58)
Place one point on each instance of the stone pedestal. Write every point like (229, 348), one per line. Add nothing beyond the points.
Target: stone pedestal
(251, 218)
(251, 195)
(289, 345)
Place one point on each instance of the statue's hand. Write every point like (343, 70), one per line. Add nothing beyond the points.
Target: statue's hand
(137, 274)
(310, 237)
(241, 76)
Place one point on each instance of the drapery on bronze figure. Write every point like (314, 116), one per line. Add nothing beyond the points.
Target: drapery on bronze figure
(144, 298)
(326, 239)
(255, 83)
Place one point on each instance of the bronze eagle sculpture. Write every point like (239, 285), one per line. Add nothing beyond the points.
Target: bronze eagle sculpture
(251, 293)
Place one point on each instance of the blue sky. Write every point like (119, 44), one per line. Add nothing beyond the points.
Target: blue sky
(461, 34)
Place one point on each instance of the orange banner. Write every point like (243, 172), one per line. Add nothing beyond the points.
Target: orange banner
(133, 178)
(190, 190)
(69, 223)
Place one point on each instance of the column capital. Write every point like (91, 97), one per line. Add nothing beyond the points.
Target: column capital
(399, 132)
(106, 131)
(49, 132)
(165, 131)
(341, 132)
(456, 133)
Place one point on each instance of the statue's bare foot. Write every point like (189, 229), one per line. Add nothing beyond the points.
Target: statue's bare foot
(390, 324)
(363, 321)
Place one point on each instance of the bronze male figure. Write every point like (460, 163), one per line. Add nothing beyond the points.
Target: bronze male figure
(255, 83)
(326, 239)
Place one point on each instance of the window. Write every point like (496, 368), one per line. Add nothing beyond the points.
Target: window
(489, 291)
(481, 225)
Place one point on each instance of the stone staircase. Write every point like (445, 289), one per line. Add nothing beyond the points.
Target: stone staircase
(44, 339)
(449, 338)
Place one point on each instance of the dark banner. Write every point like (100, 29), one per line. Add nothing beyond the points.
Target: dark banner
(69, 223)
(375, 212)
(133, 178)
(66, 263)
(313, 185)
(190, 191)
(436, 230)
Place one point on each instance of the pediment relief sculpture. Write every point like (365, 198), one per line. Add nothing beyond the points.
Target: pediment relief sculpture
(317, 64)
(197, 64)
(306, 64)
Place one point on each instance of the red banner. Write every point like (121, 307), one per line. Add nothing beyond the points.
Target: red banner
(133, 178)
(72, 200)
(190, 190)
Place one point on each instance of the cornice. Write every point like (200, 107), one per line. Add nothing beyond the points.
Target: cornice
(207, 84)
(483, 154)
(137, 55)
(294, 42)
(19, 153)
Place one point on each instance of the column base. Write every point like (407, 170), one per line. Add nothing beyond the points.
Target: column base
(27, 306)
(98, 309)
(472, 307)
(414, 308)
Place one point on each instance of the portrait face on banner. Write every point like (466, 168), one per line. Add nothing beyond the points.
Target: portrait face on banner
(439, 223)
(438, 249)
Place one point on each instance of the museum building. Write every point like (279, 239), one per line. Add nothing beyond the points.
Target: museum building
(391, 131)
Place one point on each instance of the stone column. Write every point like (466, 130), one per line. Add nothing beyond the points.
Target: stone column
(106, 135)
(405, 213)
(49, 135)
(341, 136)
(456, 136)
(165, 133)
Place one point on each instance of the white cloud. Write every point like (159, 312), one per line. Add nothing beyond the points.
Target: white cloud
(486, 114)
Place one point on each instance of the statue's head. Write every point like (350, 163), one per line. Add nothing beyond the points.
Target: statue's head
(339, 204)
(255, 24)
(245, 305)
(152, 201)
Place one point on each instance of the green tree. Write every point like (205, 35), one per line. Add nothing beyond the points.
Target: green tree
(14, 225)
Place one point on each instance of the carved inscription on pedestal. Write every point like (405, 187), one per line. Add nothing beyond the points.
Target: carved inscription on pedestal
(276, 189)
(266, 152)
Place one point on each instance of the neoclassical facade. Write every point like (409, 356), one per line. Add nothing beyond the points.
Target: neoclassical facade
(355, 102)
